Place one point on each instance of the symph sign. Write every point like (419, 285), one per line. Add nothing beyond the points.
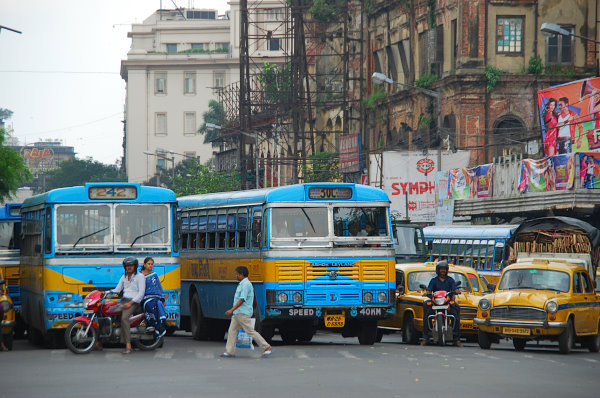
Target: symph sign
(411, 175)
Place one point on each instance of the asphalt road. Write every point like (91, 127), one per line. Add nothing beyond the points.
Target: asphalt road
(329, 366)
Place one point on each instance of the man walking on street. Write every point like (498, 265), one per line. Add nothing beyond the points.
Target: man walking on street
(242, 313)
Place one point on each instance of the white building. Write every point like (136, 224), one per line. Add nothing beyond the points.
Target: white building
(176, 61)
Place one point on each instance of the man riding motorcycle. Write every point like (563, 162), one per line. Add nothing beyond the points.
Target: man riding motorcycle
(442, 282)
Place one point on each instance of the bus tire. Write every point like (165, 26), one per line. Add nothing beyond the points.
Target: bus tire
(367, 333)
(288, 335)
(379, 335)
(198, 324)
(217, 329)
(409, 332)
(305, 333)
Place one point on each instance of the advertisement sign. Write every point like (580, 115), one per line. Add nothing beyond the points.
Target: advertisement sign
(444, 214)
(409, 179)
(570, 117)
(553, 173)
(350, 153)
(470, 183)
(589, 169)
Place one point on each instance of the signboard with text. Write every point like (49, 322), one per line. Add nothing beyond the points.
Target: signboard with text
(350, 153)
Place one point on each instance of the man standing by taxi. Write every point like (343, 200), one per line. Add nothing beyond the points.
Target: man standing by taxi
(242, 313)
(441, 282)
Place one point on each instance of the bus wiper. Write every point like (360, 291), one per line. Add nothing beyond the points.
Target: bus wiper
(308, 218)
(146, 234)
(87, 236)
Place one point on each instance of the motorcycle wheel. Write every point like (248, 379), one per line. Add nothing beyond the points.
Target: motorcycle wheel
(77, 340)
(148, 345)
(439, 324)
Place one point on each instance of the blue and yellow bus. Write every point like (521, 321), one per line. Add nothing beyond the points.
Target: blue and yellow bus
(483, 247)
(10, 247)
(319, 255)
(75, 239)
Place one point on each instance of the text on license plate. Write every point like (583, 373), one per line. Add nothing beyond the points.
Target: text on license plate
(516, 331)
(466, 325)
(335, 320)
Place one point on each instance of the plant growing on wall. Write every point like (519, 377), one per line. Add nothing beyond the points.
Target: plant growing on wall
(535, 66)
(277, 81)
(322, 166)
(492, 75)
(378, 92)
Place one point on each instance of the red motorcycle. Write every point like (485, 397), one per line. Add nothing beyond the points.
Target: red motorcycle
(441, 322)
(102, 321)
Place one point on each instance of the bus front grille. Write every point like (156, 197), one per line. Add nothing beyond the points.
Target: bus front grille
(373, 271)
(290, 271)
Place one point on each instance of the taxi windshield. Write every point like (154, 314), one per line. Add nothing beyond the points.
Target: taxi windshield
(539, 279)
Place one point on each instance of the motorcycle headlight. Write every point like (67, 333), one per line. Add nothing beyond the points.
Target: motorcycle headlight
(552, 307)
(62, 298)
(382, 297)
(297, 297)
(86, 302)
(440, 300)
(6, 305)
(282, 297)
(368, 297)
(484, 304)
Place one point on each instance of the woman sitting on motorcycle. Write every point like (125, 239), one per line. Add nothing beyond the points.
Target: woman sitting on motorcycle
(153, 303)
(442, 282)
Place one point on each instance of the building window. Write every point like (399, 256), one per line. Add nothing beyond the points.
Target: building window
(273, 44)
(161, 123)
(509, 35)
(160, 83)
(189, 83)
(218, 79)
(172, 48)
(201, 15)
(199, 46)
(273, 14)
(191, 155)
(224, 47)
(559, 48)
(189, 123)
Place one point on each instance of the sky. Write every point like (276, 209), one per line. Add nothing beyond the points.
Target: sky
(61, 76)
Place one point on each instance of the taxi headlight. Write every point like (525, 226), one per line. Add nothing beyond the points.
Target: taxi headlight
(282, 297)
(6, 305)
(368, 297)
(484, 304)
(382, 297)
(297, 297)
(552, 307)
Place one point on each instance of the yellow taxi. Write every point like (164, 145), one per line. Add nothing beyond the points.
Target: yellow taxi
(409, 300)
(541, 299)
(8, 322)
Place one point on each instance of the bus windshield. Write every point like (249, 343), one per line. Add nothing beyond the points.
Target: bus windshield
(8, 235)
(360, 221)
(83, 227)
(408, 240)
(539, 279)
(141, 226)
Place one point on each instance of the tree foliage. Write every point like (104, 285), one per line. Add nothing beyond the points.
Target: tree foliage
(322, 167)
(75, 172)
(13, 169)
(5, 114)
(192, 178)
(277, 82)
(213, 115)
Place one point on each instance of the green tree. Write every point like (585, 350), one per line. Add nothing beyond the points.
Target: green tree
(192, 178)
(13, 169)
(75, 172)
(213, 115)
(5, 114)
(321, 167)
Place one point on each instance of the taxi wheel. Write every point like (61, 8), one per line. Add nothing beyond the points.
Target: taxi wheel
(593, 344)
(484, 340)
(565, 341)
(519, 344)
(409, 333)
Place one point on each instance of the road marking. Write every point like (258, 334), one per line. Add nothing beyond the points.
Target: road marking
(347, 354)
(164, 354)
(590, 360)
(58, 355)
(485, 355)
(301, 354)
(204, 355)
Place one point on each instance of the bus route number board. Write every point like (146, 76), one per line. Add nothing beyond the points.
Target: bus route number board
(335, 320)
(117, 192)
(329, 193)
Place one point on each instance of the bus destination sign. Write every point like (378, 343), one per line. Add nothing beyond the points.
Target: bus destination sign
(112, 192)
(330, 193)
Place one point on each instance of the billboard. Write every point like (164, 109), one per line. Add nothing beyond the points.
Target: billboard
(350, 153)
(554, 173)
(471, 183)
(409, 179)
(570, 117)
(589, 169)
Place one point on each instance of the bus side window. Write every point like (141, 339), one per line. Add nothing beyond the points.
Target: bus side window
(256, 228)
(242, 227)
(48, 232)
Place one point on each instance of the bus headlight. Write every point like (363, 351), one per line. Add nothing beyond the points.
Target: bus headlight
(282, 298)
(552, 307)
(297, 297)
(368, 297)
(382, 297)
(62, 298)
(6, 305)
(484, 304)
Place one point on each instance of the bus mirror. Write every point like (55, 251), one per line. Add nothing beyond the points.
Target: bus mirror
(38, 248)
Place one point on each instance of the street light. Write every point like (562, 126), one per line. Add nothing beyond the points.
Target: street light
(255, 136)
(380, 78)
(551, 29)
(160, 154)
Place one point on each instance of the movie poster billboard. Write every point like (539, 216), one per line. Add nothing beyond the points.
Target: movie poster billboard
(553, 173)
(470, 183)
(570, 117)
(589, 169)
(409, 180)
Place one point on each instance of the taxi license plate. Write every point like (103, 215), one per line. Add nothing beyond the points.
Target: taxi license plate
(465, 325)
(335, 320)
(517, 331)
